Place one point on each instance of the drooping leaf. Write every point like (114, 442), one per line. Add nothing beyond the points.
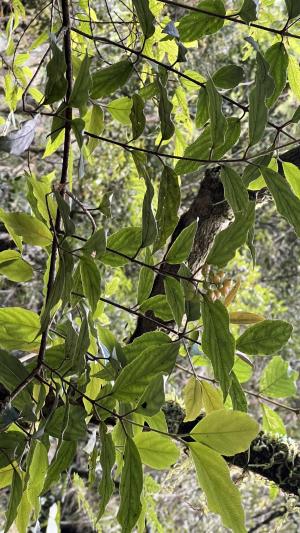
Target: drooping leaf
(234, 190)
(107, 80)
(182, 246)
(264, 338)
(202, 114)
(196, 25)
(146, 279)
(14, 500)
(32, 230)
(149, 227)
(91, 281)
(37, 473)
(94, 124)
(248, 11)
(293, 8)
(19, 141)
(156, 451)
(14, 267)
(137, 117)
(192, 395)
(228, 76)
(80, 91)
(168, 205)
(217, 341)
(229, 240)
(56, 85)
(278, 60)
(222, 494)
(292, 175)
(263, 89)
(107, 460)
(18, 328)
(12, 373)
(64, 209)
(294, 76)
(145, 16)
(237, 395)
(164, 109)
(130, 487)
(217, 119)
(62, 460)
(278, 380)
(288, 205)
(175, 298)
(225, 431)
(272, 422)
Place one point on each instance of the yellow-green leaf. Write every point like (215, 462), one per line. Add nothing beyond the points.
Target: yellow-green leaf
(156, 451)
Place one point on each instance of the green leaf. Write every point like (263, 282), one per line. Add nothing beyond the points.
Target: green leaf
(175, 298)
(12, 373)
(168, 205)
(258, 111)
(160, 307)
(91, 281)
(225, 431)
(293, 8)
(147, 340)
(237, 395)
(217, 119)
(294, 76)
(14, 500)
(229, 240)
(288, 205)
(264, 338)
(76, 426)
(196, 25)
(107, 461)
(12, 446)
(107, 80)
(272, 422)
(156, 451)
(56, 85)
(80, 91)
(37, 473)
(130, 488)
(211, 397)
(32, 230)
(137, 117)
(202, 114)
(62, 460)
(13, 267)
(145, 16)
(53, 299)
(181, 247)
(228, 76)
(278, 380)
(192, 396)
(64, 209)
(222, 494)
(120, 110)
(234, 190)
(164, 109)
(153, 397)
(96, 244)
(278, 60)
(125, 241)
(133, 379)
(292, 175)
(81, 347)
(248, 11)
(149, 227)
(146, 279)
(94, 124)
(18, 328)
(217, 342)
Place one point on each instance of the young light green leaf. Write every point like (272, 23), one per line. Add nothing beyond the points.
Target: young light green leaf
(228, 76)
(14, 500)
(32, 230)
(107, 461)
(192, 396)
(264, 338)
(278, 380)
(217, 341)
(217, 119)
(130, 488)
(272, 422)
(181, 247)
(18, 328)
(225, 431)
(211, 397)
(91, 281)
(120, 109)
(13, 267)
(156, 451)
(37, 473)
(137, 117)
(145, 16)
(292, 175)
(294, 76)
(229, 240)
(234, 190)
(62, 460)
(56, 85)
(175, 298)
(222, 494)
(278, 60)
(107, 80)
(288, 205)
(80, 91)
(196, 25)
(168, 205)
(94, 124)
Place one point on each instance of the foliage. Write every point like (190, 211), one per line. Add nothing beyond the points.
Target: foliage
(65, 367)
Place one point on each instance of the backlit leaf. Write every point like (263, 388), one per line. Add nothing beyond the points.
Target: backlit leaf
(278, 380)
(156, 451)
(192, 395)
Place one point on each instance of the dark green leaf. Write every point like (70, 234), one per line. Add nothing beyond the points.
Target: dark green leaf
(12, 373)
(56, 85)
(202, 114)
(249, 10)
(107, 80)
(91, 281)
(14, 500)
(229, 240)
(228, 76)
(96, 244)
(12, 446)
(82, 345)
(264, 338)
(54, 297)
(217, 119)
(175, 298)
(107, 460)
(153, 397)
(62, 460)
(168, 205)
(76, 426)
(217, 342)
(149, 227)
(125, 241)
(181, 247)
(146, 18)
(130, 488)
(137, 117)
(64, 209)
(146, 279)
(8, 415)
(234, 190)
(196, 25)
(258, 111)
(164, 109)
(288, 205)
(278, 60)
(80, 92)
(237, 395)
(293, 8)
